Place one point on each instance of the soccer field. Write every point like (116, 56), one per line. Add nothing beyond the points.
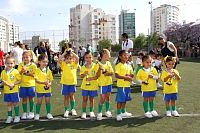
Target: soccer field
(188, 104)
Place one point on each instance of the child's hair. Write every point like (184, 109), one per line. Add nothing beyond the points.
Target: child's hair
(152, 52)
(169, 58)
(145, 57)
(101, 54)
(42, 57)
(29, 53)
(68, 54)
(158, 55)
(9, 57)
(141, 54)
(120, 54)
(87, 52)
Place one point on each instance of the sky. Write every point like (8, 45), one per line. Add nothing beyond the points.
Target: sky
(43, 15)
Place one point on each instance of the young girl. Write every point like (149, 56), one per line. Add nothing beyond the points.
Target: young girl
(170, 77)
(27, 70)
(139, 63)
(69, 65)
(43, 78)
(124, 75)
(89, 73)
(11, 78)
(147, 77)
(105, 82)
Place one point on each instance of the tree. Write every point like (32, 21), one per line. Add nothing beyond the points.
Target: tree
(140, 41)
(63, 43)
(104, 44)
(154, 39)
(116, 47)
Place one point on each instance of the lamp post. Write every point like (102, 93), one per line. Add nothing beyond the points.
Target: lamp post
(150, 33)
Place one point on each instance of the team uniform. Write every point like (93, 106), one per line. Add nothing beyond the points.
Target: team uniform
(11, 95)
(149, 89)
(139, 65)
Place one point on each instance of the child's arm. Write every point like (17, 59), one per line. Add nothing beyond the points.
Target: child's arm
(40, 82)
(76, 58)
(128, 78)
(168, 77)
(96, 76)
(178, 77)
(17, 82)
(84, 74)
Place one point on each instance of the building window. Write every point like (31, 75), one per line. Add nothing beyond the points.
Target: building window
(95, 17)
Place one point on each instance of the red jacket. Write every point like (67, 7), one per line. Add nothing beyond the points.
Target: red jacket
(1, 57)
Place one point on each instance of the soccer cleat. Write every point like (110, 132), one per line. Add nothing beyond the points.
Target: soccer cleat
(126, 114)
(148, 115)
(30, 115)
(24, 116)
(9, 120)
(175, 113)
(108, 114)
(119, 117)
(168, 113)
(37, 117)
(49, 116)
(83, 116)
(99, 116)
(154, 113)
(17, 119)
(74, 112)
(92, 115)
(66, 114)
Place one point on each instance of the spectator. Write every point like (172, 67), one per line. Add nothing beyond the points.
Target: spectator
(1, 60)
(17, 53)
(127, 44)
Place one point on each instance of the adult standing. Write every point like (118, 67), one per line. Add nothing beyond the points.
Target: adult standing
(1, 60)
(17, 53)
(42, 49)
(82, 53)
(168, 49)
(127, 44)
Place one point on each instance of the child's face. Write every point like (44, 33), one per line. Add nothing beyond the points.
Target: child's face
(147, 63)
(106, 56)
(69, 59)
(10, 63)
(170, 64)
(124, 57)
(27, 58)
(88, 58)
(158, 58)
(43, 63)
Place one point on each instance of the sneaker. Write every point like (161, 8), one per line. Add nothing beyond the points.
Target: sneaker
(66, 114)
(99, 116)
(175, 113)
(30, 115)
(154, 113)
(159, 85)
(49, 116)
(17, 119)
(92, 115)
(126, 114)
(148, 115)
(83, 116)
(24, 116)
(108, 114)
(9, 120)
(74, 112)
(37, 117)
(168, 113)
(119, 117)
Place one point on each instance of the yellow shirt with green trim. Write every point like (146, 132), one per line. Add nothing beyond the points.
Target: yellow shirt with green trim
(143, 76)
(28, 81)
(173, 88)
(123, 70)
(91, 73)
(11, 77)
(43, 76)
(69, 73)
(106, 80)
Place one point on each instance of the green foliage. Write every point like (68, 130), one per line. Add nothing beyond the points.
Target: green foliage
(104, 44)
(116, 47)
(140, 41)
(154, 39)
(63, 43)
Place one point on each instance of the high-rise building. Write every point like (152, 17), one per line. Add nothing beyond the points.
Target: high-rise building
(89, 25)
(9, 33)
(127, 23)
(163, 17)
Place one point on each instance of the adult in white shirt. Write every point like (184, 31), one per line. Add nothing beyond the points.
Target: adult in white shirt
(82, 53)
(17, 53)
(127, 44)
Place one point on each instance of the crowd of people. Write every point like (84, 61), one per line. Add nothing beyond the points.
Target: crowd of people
(25, 77)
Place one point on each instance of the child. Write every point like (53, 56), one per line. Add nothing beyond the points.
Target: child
(69, 63)
(139, 62)
(170, 77)
(147, 77)
(158, 66)
(11, 78)
(89, 72)
(27, 70)
(105, 82)
(43, 78)
(124, 75)
(131, 63)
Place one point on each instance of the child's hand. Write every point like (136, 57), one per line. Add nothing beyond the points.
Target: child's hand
(150, 76)
(23, 70)
(128, 78)
(89, 79)
(85, 73)
(11, 86)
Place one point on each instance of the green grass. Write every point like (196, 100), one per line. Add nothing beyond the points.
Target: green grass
(188, 102)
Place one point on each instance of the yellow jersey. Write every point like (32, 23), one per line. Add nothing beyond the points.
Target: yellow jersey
(28, 81)
(105, 80)
(69, 73)
(123, 70)
(173, 88)
(10, 77)
(43, 76)
(143, 76)
(91, 73)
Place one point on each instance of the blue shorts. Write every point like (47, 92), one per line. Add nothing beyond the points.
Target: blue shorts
(39, 95)
(123, 95)
(105, 89)
(149, 94)
(168, 97)
(12, 97)
(67, 89)
(27, 92)
(89, 93)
